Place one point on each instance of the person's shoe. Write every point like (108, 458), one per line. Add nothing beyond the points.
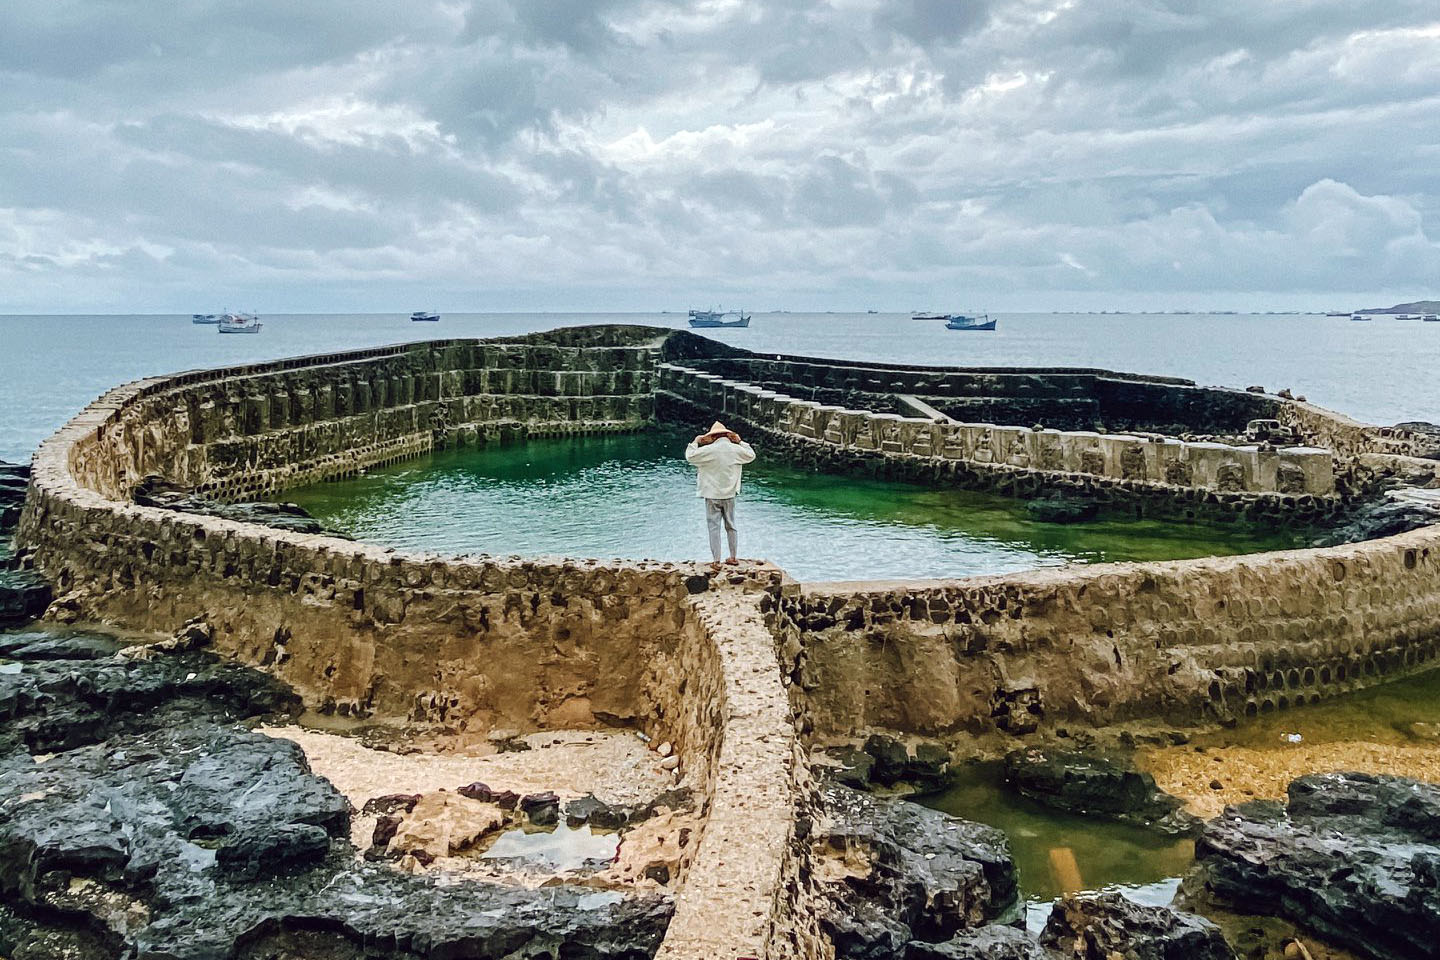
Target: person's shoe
(732, 560)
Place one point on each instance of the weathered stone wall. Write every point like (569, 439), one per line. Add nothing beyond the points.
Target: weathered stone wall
(1061, 397)
(1165, 476)
(1182, 641)
(246, 432)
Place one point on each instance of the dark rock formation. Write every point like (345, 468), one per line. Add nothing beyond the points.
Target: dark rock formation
(1095, 785)
(1062, 509)
(596, 812)
(162, 828)
(1101, 926)
(1380, 518)
(14, 481)
(928, 767)
(24, 595)
(992, 942)
(904, 872)
(154, 491)
(1353, 857)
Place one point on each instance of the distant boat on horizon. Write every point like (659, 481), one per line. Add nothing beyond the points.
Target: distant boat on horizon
(716, 318)
(204, 318)
(930, 316)
(429, 316)
(239, 323)
(1431, 317)
(1360, 316)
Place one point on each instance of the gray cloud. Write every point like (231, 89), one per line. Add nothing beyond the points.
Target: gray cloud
(642, 153)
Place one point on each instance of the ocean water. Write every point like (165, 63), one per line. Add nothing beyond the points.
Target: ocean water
(1381, 372)
(633, 496)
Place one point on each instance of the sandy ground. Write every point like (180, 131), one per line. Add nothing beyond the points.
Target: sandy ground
(1254, 773)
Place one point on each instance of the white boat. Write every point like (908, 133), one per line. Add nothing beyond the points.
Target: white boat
(1407, 316)
(428, 316)
(239, 323)
(1359, 316)
(930, 316)
(1338, 313)
(1431, 318)
(716, 318)
(204, 318)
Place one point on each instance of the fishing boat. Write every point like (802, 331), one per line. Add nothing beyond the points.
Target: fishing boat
(1431, 317)
(429, 316)
(1359, 316)
(930, 316)
(204, 318)
(1338, 313)
(958, 321)
(239, 323)
(716, 318)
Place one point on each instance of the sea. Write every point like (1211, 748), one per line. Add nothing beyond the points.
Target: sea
(1382, 371)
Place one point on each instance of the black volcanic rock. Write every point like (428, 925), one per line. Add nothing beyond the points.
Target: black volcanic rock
(1100, 926)
(923, 874)
(1095, 785)
(1353, 857)
(1381, 518)
(992, 942)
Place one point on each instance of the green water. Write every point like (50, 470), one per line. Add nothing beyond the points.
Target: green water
(1145, 865)
(1057, 853)
(633, 496)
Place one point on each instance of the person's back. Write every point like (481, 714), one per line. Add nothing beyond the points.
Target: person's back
(719, 457)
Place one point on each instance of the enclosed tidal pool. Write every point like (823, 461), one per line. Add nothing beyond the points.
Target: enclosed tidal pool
(633, 496)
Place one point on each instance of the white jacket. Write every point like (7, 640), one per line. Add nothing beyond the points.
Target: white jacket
(719, 466)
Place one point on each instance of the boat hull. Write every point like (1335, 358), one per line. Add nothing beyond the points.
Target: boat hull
(248, 328)
(970, 324)
(742, 322)
(209, 318)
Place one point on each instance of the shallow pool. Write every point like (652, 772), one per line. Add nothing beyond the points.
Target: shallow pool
(633, 496)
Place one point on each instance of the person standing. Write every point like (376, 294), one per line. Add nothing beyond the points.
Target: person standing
(718, 456)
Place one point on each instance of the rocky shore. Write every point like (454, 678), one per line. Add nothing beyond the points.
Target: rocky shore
(139, 818)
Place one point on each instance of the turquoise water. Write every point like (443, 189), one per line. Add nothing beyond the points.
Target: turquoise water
(51, 366)
(633, 496)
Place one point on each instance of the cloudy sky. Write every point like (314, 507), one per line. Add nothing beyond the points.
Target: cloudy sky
(311, 155)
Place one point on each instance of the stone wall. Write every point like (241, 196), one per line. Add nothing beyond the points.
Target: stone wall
(1169, 476)
(247, 432)
(1181, 641)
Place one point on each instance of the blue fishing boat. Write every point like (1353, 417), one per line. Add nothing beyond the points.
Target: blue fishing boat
(958, 321)
(428, 316)
(204, 318)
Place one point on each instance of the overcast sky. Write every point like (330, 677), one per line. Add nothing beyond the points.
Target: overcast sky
(311, 155)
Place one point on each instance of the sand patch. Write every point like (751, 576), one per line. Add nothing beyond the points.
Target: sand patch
(1262, 773)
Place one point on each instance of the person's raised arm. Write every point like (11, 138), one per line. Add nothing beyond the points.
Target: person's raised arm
(744, 453)
(698, 452)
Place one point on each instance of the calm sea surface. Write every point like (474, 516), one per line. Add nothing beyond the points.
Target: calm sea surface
(1382, 371)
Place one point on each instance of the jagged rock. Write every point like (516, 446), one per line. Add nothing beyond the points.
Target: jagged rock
(928, 767)
(1062, 510)
(57, 645)
(391, 803)
(1353, 857)
(24, 595)
(543, 809)
(992, 942)
(1381, 518)
(1106, 925)
(443, 824)
(274, 849)
(504, 799)
(894, 871)
(63, 704)
(1095, 785)
(852, 766)
(596, 812)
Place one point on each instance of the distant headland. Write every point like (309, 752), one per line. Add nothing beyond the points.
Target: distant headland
(1419, 306)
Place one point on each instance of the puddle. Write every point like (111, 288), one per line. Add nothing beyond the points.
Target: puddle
(1058, 853)
(560, 849)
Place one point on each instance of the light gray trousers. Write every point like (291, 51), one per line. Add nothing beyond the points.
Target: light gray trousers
(718, 512)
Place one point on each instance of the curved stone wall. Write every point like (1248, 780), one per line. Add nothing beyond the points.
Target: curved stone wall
(558, 642)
